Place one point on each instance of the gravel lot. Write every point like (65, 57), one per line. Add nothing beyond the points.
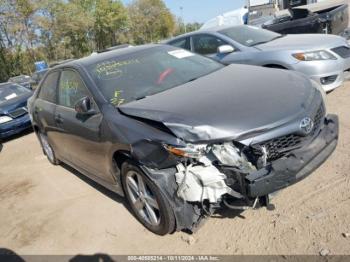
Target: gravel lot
(53, 210)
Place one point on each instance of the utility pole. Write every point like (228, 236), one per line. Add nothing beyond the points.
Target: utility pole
(182, 17)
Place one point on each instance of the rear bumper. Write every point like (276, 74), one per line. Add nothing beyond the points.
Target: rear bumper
(297, 165)
(15, 126)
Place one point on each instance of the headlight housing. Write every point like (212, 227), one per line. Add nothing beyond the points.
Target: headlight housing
(314, 56)
(190, 151)
(5, 119)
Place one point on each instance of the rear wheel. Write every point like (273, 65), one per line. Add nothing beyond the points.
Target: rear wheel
(47, 149)
(146, 200)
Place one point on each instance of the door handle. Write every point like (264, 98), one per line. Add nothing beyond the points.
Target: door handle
(58, 119)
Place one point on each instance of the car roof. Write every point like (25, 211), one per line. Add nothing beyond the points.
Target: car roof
(19, 77)
(207, 30)
(7, 84)
(4, 84)
(100, 57)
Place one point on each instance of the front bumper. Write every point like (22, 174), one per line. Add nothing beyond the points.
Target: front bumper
(317, 70)
(296, 165)
(15, 126)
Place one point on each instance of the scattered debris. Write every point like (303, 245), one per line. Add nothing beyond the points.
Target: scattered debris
(112, 234)
(324, 252)
(346, 235)
(188, 239)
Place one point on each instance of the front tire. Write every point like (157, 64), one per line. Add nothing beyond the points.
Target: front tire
(47, 149)
(149, 205)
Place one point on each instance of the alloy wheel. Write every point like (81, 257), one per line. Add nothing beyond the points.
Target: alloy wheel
(142, 198)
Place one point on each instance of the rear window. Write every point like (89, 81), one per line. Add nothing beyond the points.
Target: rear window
(48, 88)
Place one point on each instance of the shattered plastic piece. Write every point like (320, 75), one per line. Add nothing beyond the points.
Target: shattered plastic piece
(324, 252)
(229, 155)
(198, 183)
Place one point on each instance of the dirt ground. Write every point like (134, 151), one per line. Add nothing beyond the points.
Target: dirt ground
(53, 210)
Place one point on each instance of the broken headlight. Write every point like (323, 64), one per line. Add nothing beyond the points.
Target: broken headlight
(190, 151)
(315, 56)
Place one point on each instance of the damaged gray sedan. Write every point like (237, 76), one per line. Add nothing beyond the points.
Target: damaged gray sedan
(180, 135)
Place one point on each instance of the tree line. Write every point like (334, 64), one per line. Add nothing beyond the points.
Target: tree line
(54, 30)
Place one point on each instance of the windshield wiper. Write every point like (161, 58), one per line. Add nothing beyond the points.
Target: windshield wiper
(259, 43)
(280, 36)
(264, 42)
(191, 80)
(140, 98)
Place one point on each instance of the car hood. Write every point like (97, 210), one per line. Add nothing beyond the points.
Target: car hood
(231, 103)
(303, 42)
(20, 101)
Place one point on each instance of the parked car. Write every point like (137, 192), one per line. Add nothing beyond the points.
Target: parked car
(323, 58)
(184, 136)
(22, 80)
(37, 76)
(319, 18)
(14, 116)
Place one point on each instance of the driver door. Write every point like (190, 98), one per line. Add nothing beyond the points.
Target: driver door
(80, 134)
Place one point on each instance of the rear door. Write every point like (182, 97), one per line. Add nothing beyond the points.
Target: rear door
(45, 106)
(80, 134)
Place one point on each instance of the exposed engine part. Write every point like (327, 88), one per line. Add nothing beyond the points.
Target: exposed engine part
(230, 155)
(202, 182)
(235, 207)
(258, 202)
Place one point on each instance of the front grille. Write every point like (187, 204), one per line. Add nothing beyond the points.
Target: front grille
(18, 112)
(318, 117)
(278, 147)
(342, 51)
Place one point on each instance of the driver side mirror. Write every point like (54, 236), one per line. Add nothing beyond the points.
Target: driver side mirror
(84, 106)
(225, 49)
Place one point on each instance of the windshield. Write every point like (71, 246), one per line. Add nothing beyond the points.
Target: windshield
(11, 91)
(134, 76)
(249, 35)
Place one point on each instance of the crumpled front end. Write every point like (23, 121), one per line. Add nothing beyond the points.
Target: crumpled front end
(237, 176)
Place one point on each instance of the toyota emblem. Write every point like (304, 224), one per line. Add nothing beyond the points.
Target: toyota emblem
(306, 125)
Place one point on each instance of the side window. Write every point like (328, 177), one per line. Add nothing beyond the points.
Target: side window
(182, 43)
(207, 44)
(48, 88)
(70, 89)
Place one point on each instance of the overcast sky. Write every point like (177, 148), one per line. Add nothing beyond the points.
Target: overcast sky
(200, 10)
